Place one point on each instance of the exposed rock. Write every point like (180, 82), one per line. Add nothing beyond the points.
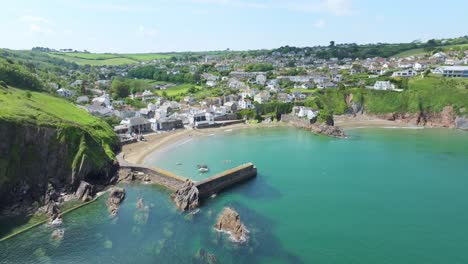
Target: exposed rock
(52, 210)
(323, 129)
(461, 122)
(116, 196)
(328, 130)
(229, 221)
(56, 222)
(85, 191)
(186, 197)
(204, 257)
(126, 174)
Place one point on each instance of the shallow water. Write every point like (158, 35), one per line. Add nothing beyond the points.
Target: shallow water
(381, 196)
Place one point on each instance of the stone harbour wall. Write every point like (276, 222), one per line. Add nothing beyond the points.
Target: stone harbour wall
(225, 180)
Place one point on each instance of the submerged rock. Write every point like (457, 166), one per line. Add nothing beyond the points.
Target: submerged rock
(204, 257)
(140, 204)
(57, 234)
(85, 191)
(229, 222)
(186, 197)
(116, 196)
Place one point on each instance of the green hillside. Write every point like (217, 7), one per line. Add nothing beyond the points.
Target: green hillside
(96, 59)
(429, 94)
(35, 108)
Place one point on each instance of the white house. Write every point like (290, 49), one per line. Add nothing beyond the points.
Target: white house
(383, 85)
(262, 97)
(203, 119)
(245, 104)
(261, 79)
(406, 73)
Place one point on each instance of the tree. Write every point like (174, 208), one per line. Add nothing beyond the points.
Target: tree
(120, 89)
(332, 44)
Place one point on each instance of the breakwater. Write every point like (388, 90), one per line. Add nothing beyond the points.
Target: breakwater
(206, 187)
(225, 179)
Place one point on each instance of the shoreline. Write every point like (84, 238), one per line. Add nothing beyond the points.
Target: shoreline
(137, 153)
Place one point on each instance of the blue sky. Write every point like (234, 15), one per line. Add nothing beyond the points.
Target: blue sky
(197, 25)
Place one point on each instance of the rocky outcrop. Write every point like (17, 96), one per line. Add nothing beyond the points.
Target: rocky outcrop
(229, 222)
(116, 196)
(461, 122)
(446, 118)
(85, 192)
(186, 197)
(204, 257)
(327, 130)
(38, 162)
(323, 129)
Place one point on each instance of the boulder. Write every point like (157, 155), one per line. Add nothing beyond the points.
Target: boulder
(461, 122)
(186, 197)
(229, 222)
(116, 196)
(52, 210)
(85, 191)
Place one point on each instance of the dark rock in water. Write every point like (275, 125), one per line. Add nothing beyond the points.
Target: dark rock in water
(186, 197)
(229, 222)
(85, 191)
(116, 196)
(204, 257)
(328, 130)
(52, 210)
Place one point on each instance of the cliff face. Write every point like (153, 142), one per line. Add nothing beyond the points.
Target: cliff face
(446, 118)
(38, 160)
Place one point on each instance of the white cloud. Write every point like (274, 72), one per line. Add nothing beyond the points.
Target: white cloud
(147, 32)
(320, 23)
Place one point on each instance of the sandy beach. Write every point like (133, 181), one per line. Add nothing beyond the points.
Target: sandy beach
(137, 152)
(366, 121)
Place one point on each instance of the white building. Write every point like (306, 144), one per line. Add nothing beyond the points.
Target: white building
(453, 71)
(261, 79)
(203, 119)
(407, 73)
(383, 85)
(65, 92)
(245, 104)
(262, 97)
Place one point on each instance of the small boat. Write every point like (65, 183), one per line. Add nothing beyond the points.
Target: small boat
(202, 166)
(203, 170)
(178, 163)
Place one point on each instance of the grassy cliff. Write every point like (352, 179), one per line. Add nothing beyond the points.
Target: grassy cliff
(49, 141)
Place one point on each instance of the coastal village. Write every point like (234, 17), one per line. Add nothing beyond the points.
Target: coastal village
(216, 90)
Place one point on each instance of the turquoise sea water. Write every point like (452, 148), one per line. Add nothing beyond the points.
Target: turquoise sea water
(380, 196)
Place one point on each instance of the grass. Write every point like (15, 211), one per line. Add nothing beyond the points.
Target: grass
(100, 59)
(177, 90)
(421, 51)
(73, 124)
